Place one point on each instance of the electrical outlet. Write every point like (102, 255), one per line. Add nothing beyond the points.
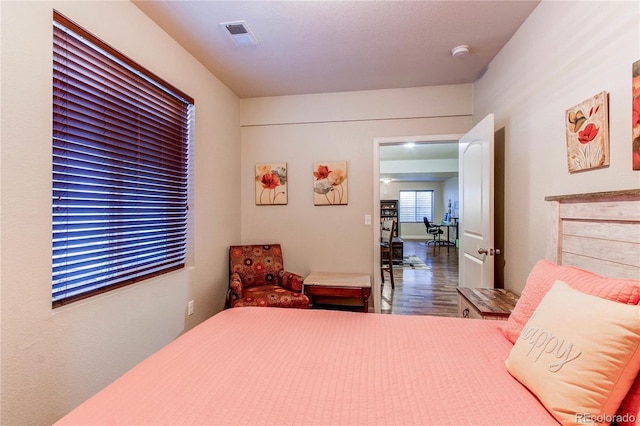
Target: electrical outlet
(190, 308)
(367, 219)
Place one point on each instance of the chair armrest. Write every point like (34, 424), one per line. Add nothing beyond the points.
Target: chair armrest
(291, 281)
(235, 288)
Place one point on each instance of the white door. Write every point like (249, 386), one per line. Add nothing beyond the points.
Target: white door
(476, 206)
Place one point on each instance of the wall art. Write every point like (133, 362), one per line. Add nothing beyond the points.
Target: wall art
(635, 114)
(588, 134)
(330, 183)
(271, 184)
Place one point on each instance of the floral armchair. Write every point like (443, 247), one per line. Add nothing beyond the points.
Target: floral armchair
(257, 278)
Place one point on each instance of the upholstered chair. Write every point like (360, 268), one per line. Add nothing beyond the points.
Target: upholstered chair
(257, 278)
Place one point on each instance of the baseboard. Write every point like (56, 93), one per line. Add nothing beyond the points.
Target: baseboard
(415, 237)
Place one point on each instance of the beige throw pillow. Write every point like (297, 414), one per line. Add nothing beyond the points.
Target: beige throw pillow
(579, 354)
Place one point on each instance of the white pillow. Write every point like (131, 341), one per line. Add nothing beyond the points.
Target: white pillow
(579, 354)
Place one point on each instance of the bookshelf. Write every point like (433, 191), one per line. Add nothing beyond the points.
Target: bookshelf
(389, 210)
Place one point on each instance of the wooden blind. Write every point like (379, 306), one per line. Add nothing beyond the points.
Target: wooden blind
(120, 156)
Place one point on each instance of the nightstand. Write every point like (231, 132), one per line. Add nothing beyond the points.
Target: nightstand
(486, 303)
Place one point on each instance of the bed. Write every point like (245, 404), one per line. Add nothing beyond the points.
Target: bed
(256, 365)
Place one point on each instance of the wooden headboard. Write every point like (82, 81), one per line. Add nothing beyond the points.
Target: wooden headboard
(596, 231)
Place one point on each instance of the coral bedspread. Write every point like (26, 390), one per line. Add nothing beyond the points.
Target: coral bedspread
(289, 366)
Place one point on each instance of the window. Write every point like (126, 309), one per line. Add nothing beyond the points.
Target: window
(120, 155)
(415, 205)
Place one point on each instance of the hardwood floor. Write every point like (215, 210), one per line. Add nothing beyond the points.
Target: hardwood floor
(423, 292)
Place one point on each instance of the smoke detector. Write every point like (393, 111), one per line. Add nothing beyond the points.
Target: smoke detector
(460, 51)
(240, 33)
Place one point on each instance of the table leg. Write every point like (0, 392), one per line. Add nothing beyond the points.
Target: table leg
(449, 243)
(366, 292)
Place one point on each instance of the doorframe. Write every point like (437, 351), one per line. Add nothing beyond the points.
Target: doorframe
(377, 142)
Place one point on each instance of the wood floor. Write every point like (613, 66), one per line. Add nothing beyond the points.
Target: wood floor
(424, 292)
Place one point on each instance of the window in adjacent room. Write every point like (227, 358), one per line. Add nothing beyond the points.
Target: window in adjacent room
(413, 206)
(120, 155)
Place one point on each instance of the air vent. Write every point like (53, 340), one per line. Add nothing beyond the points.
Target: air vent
(237, 29)
(240, 33)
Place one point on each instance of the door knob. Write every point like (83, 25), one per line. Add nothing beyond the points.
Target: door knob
(489, 252)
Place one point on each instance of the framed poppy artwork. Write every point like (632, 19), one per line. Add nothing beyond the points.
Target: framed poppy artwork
(635, 114)
(271, 184)
(330, 183)
(588, 134)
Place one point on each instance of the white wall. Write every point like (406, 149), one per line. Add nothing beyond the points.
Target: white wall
(52, 360)
(564, 53)
(301, 130)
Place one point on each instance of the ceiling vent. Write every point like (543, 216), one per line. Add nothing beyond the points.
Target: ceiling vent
(240, 33)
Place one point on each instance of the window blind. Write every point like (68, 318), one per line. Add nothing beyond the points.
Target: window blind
(413, 206)
(120, 177)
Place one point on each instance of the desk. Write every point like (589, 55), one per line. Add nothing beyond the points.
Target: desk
(447, 242)
(339, 285)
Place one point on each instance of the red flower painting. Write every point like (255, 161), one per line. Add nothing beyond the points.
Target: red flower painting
(271, 184)
(330, 187)
(588, 134)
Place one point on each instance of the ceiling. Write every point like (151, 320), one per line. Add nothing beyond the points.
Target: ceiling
(419, 151)
(420, 154)
(307, 47)
(336, 46)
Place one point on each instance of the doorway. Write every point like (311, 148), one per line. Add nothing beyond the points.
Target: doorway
(499, 170)
(421, 163)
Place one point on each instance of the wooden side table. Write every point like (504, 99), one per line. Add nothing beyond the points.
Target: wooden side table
(342, 285)
(486, 303)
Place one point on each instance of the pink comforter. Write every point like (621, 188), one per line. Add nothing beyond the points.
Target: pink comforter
(303, 367)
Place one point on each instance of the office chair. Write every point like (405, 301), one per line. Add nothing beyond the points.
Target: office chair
(434, 230)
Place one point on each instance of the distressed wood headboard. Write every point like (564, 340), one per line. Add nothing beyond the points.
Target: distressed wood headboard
(597, 231)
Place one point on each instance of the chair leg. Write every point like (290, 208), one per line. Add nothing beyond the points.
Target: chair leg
(390, 270)
(393, 284)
